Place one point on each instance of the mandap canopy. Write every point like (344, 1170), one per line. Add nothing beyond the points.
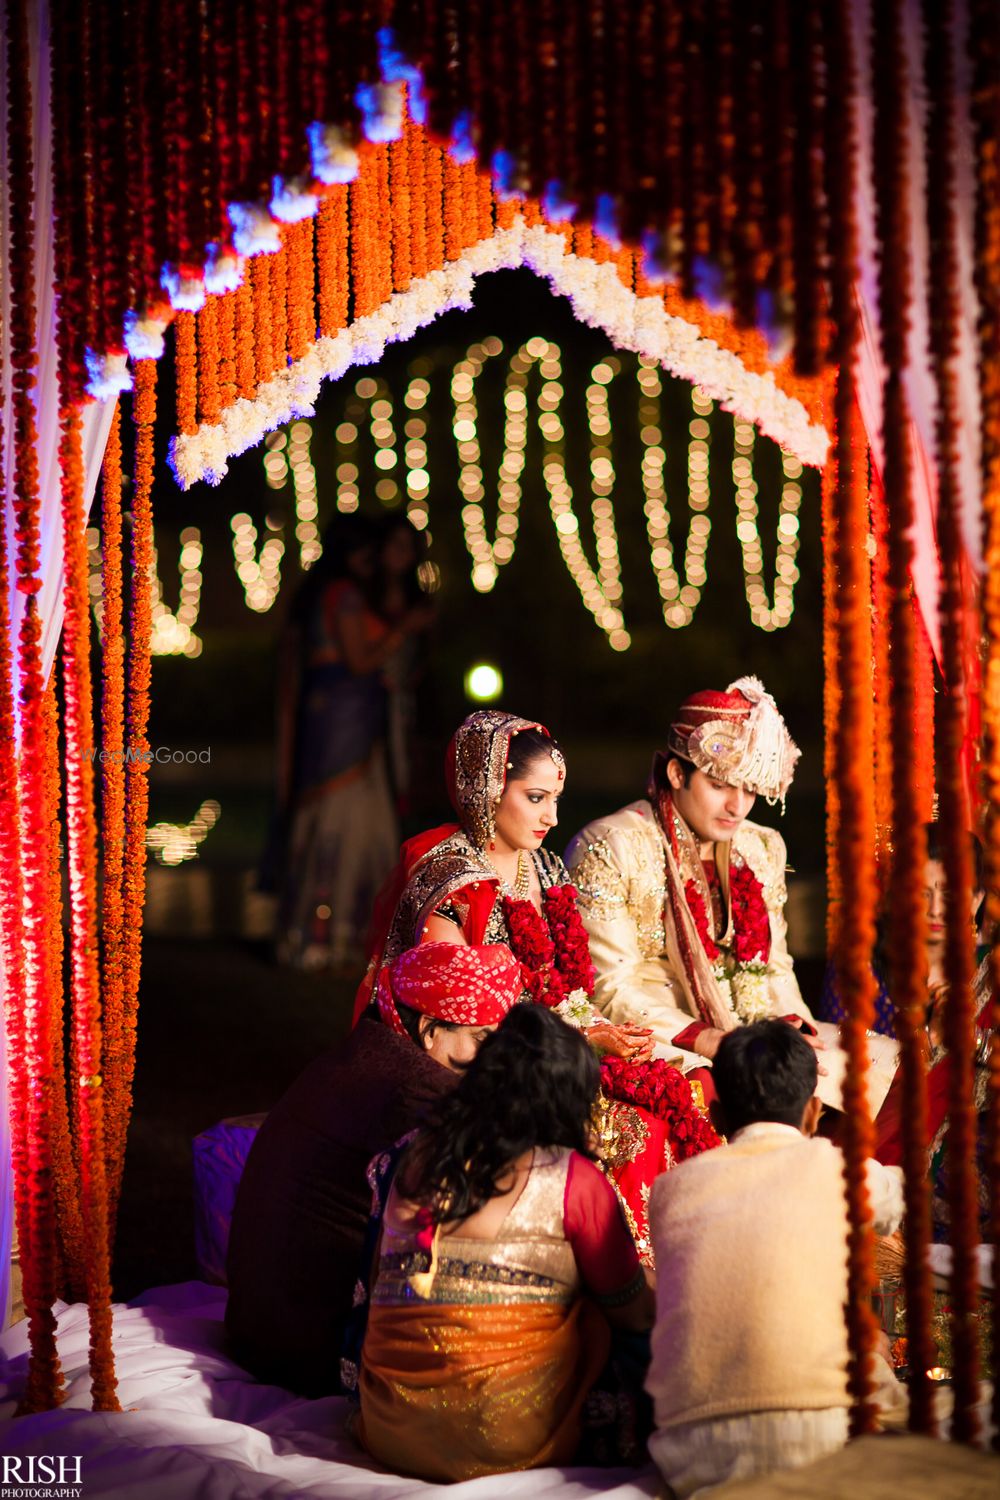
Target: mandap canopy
(271, 191)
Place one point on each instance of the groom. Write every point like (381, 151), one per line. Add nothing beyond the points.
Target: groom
(683, 898)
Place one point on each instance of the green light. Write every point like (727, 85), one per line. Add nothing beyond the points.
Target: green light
(483, 683)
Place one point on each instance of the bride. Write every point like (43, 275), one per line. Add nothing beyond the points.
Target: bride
(489, 880)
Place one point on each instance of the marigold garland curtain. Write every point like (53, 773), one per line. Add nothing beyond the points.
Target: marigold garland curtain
(96, 424)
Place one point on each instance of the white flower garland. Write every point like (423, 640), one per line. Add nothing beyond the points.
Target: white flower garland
(599, 299)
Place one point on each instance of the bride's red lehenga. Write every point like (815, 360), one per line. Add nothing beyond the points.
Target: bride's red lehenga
(650, 1115)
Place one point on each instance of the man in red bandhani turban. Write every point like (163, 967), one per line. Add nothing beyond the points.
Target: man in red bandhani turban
(302, 1206)
(683, 898)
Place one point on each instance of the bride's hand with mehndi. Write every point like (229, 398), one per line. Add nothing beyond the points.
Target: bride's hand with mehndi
(632, 1042)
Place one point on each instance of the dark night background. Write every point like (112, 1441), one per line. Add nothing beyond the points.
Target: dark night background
(222, 1029)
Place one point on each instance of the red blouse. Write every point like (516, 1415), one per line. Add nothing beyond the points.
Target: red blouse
(595, 1227)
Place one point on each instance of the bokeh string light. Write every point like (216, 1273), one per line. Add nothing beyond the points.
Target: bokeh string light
(679, 598)
(175, 843)
(778, 614)
(567, 524)
(173, 633)
(260, 576)
(306, 504)
(370, 404)
(488, 557)
(602, 480)
(418, 479)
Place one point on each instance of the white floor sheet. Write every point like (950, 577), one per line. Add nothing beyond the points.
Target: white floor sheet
(197, 1427)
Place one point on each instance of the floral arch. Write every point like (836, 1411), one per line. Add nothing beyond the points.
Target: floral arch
(726, 191)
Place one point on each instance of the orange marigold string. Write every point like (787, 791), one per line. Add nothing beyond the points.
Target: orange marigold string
(831, 705)
(207, 325)
(112, 809)
(470, 204)
(402, 212)
(434, 199)
(382, 238)
(484, 206)
(453, 206)
(260, 281)
(984, 51)
(136, 742)
(416, 175)
(332, 251)
(299, 292)
(854, 749)
(186, 371)
(226, 315)
(279, 303)
(944, 317)
(244, 331)
(907, 908)
(364, 298)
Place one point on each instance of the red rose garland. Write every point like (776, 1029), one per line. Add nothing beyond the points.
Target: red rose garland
(666, 1094)
(751, 921)
(552, 947)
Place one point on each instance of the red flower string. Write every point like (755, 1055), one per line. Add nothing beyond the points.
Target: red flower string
(854, 750)
(12, 896)
(944, 318)
(907, 908)
(809, 221)
(44, 1379)
(984, 52)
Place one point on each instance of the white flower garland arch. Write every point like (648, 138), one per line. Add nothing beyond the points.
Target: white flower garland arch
(599, 299)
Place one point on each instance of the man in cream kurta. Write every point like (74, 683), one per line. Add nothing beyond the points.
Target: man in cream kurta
(683, 898)
(618, 864)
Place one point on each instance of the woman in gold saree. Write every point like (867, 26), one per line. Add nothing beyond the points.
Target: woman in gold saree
(504, 1259)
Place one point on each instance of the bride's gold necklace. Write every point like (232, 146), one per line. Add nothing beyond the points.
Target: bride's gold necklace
(520, 888)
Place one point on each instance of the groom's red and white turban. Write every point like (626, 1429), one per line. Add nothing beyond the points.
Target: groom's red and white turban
(737, 736)
(464, 984)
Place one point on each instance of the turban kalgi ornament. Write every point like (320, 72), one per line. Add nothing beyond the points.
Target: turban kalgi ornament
(738, 737)
(455, 982)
